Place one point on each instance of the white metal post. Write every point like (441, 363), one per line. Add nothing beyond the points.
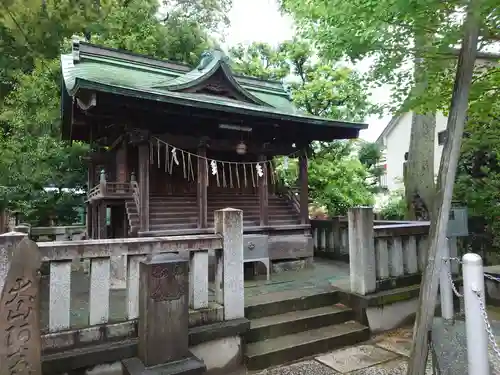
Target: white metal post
(445, 288)
(476, 336)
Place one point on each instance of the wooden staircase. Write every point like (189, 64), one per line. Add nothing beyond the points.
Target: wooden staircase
(180, 212)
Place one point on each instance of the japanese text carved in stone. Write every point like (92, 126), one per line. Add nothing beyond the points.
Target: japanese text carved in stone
(20, 345)
(166, 282)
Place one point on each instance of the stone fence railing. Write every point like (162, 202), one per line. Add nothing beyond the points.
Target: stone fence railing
(57, 233)
(382, 254)
(63, 298)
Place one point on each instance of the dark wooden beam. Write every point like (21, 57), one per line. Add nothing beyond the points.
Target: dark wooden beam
(95, 219)
(201, 196)
(102, 220)
(263, 192)
(191, 143)
(144, 186)
(304, 187)
(139, 112)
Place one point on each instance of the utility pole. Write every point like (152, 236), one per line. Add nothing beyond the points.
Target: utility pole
(447, 172)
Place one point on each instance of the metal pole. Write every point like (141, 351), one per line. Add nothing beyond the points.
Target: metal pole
(445, 288)
(477, 338)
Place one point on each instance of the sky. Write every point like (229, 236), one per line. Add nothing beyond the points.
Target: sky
(261, 21)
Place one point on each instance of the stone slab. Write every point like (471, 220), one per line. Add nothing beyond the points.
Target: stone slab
(301, 368)
(395, 367)
(186, 366)
(356, 358)
(398, 341)
(163, 309)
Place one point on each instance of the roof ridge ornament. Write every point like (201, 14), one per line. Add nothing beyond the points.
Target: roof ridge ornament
(75, 47)
(208, 56)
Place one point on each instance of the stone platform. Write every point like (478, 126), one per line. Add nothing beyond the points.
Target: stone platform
(385, 354)
(450, 347)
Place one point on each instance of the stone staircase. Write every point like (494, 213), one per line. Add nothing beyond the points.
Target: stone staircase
(180, 212)
(295, 328)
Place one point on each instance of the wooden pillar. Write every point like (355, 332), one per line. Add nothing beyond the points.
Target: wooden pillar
(91, 181)
(304, 187)
(88, 219)
(121, 163)
(263, 192)
(95, 219)
(144, 186)
(201, 196)
(103, 228)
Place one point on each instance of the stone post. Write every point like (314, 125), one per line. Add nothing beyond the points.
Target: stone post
(118, 272)
(163, 319)
(229, 223)
(362, 250)
(8, 242)
(23, 228)
(337, 235)
(20, 347)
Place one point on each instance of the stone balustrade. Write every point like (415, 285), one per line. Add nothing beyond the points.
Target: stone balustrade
(226, 293)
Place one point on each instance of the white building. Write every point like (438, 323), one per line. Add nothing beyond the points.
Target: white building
(395, 138)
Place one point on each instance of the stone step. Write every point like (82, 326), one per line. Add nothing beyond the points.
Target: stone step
(287, 348)
(167, 227)
(296, 321)
(291, 304)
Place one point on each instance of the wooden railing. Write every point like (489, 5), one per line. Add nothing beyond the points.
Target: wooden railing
(136, 194)
(70, 292)
(110, 190)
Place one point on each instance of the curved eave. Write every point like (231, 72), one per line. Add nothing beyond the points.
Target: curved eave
(226, 70)
(183, 99)
(66, 111)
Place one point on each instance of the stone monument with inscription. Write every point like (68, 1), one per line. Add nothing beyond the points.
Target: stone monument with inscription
(20, 344)
(163, 320)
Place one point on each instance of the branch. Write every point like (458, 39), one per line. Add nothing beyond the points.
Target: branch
(487, 74)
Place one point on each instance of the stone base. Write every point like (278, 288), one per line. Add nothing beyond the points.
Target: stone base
(187, 366)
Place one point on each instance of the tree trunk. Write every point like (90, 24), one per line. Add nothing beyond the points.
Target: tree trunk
(419, 183)
(447, 172)
(419, 175)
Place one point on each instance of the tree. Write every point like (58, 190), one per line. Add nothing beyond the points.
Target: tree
(319, 87)
(371, 157)
(32, 157)
(412, 47)
(337, 178)
(446, 179)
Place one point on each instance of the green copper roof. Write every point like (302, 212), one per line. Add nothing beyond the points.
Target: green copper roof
(106, 66)
(103, 69)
